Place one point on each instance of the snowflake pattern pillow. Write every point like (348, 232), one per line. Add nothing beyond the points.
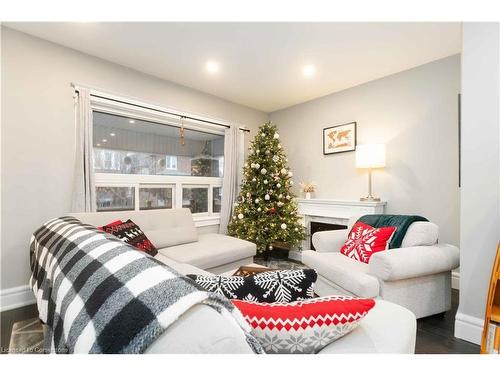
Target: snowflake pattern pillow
(271, 286)
(364, 240)
(303, 326)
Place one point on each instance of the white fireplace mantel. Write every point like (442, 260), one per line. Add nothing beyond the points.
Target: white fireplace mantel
(333, 211)
(338, 209)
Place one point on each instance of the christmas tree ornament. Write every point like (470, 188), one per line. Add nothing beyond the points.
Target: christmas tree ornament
(275, 158)
(263, 171)
(278, 185)
(283, 226)
(272, 210)
(240, 216)
(267, 152)
(270, 247)
(276, 136)
(283, 171)
(257, 200)
(259, 209)
(265, 182)
(254, 179)
(267, 197)
(288, 197)
(280, 196)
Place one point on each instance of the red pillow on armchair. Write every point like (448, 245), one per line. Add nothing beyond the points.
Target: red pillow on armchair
(364, 240)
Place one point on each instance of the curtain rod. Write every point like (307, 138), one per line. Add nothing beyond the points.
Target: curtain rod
(163, 111)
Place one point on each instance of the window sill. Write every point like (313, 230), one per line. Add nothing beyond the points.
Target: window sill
(205, 220)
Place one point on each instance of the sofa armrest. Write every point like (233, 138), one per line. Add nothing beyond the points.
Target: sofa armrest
(329, 240)
(408, 262)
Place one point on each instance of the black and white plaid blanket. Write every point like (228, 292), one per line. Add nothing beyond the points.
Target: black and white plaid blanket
(99, 295)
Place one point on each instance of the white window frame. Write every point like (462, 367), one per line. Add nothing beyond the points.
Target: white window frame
(136, 110)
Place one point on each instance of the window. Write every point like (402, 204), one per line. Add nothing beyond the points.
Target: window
(195, 198)
(217, 198)
(171, 162)
(155, 197)
(130, 146)
(115, 198)
(144, 164)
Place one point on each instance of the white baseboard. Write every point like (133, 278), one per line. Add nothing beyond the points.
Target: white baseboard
(468, 328)
(455, 280)
(13, 298)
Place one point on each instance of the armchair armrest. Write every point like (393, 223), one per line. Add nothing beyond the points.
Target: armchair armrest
(408, 262)
(329, 240)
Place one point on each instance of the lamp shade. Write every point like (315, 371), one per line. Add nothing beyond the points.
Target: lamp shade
(370, 156)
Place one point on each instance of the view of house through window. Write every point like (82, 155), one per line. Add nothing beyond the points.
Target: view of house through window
(143, 165)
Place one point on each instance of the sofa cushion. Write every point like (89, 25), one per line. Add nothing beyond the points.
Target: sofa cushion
(347, 273)
(176, 225)
(270, 286)
(201, 330)
(211, 250)
(421, 233)
(303, 326)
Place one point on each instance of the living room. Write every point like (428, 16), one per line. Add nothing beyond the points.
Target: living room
(265, 171)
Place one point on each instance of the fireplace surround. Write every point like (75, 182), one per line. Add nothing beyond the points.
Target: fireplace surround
(326, 212)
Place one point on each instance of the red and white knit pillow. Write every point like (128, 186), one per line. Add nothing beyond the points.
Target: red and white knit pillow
(303, 326)
(364, 240)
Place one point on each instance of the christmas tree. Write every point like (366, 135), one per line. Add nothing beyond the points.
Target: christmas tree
(266, 212)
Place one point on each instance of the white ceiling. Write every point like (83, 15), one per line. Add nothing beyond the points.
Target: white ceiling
(260, 63)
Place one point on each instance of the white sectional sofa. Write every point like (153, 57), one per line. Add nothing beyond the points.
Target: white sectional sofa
(175, 236)
(388, 328)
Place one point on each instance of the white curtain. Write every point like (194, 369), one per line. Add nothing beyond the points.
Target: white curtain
(232, 141)
(84, 199)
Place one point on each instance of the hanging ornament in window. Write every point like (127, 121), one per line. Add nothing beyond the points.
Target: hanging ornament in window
(183, 140)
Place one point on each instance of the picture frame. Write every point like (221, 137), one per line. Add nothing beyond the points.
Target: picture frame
(339, 138)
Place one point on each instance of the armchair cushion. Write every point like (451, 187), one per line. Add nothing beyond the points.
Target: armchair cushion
(349, 274)
(410, 262)
(329, 240)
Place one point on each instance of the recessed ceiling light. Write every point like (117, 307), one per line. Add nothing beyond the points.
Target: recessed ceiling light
(309, 70)
(131, 121)
(212, 67)
(112, 134)
(104, 140)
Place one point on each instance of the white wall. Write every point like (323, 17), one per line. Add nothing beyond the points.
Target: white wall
(415, 113)
(480, 193)
(38, 132)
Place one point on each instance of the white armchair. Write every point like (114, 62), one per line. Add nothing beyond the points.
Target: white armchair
(416, 276)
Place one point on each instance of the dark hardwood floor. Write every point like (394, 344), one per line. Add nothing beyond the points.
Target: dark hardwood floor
(434, 333)
(7, 320)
